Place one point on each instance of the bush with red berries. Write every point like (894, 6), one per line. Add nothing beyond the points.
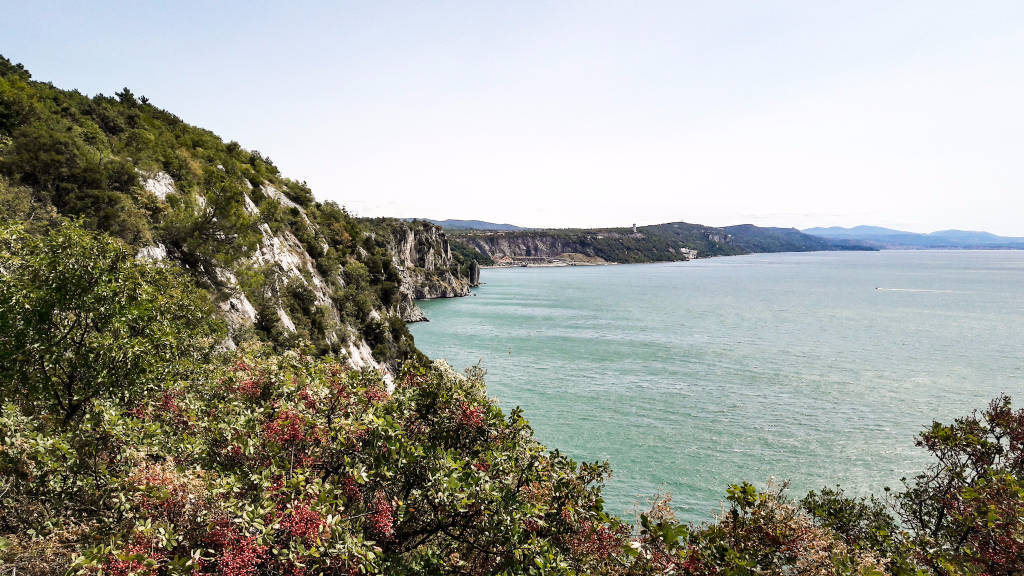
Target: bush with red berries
(326, 470)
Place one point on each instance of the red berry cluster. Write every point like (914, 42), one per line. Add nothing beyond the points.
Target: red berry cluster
(141, 412)
(304, 523)
(235, 454)
(598, 540)
(308, 400)
(169, 403)
(338, 384)
(286, 428)
(239, 555)
(221, 533)
(251, 387)
(470, 416)
(375, 395)
(382, 517)
(350, 489)
(136, 559)
(242, 557)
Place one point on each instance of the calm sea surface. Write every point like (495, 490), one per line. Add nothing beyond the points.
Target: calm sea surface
(818, 368)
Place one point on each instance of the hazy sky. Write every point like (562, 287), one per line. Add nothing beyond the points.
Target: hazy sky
(904, 114)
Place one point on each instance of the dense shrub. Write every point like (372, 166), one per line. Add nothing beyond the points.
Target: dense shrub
(287, 463)
(864, 524)
(81, 319)
(966, 511)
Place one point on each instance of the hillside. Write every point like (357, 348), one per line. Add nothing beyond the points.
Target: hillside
(473, 225)
(879, 237)
(662, 242)
(280, 264)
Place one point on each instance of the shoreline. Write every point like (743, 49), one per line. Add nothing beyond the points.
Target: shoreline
(567, 264)
(549, 265)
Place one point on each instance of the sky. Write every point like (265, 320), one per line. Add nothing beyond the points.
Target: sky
(581, 114)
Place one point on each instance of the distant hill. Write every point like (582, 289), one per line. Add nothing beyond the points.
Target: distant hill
(898, 239)
(473, 225)
(658, 243)
(758, 239)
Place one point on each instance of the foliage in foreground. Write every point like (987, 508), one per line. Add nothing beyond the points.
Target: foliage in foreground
(114, 326)
(288, 464)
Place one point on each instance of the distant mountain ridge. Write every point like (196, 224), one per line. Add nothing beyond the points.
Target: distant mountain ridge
(451, 224)
(880, 237)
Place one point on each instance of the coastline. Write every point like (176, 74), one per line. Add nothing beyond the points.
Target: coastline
(554, 264)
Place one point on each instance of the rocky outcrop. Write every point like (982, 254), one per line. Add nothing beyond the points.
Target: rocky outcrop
(512, 248)
(284, 267)
(421, 252)
(159, 184)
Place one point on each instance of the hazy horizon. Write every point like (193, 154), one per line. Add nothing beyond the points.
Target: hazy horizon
(904, 115)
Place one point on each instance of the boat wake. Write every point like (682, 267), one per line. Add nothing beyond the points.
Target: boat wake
(915, 290)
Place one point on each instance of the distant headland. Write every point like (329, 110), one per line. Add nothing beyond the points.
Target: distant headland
(491, 244)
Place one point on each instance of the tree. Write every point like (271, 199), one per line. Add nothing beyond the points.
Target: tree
(8, 68)
(966, 509)
(209, 224)
(51, 160)
(15, 104)
(862, 524)
(81, 319)
(126, 97)
(64, 170)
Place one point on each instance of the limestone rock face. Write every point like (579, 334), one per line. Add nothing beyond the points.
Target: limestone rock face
(510, 249)
(154, 253)
(423, 256)
(279, 286)
(674, 241)
(503, 247)
(160, 184)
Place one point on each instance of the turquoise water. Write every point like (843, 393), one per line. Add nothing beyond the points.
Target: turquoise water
(817, 368)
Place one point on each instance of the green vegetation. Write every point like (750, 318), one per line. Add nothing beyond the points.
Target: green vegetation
(759, 239)
(63, 154)
(467, 254)
(82, 319)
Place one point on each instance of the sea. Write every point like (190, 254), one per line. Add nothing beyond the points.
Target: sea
(809, 369)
